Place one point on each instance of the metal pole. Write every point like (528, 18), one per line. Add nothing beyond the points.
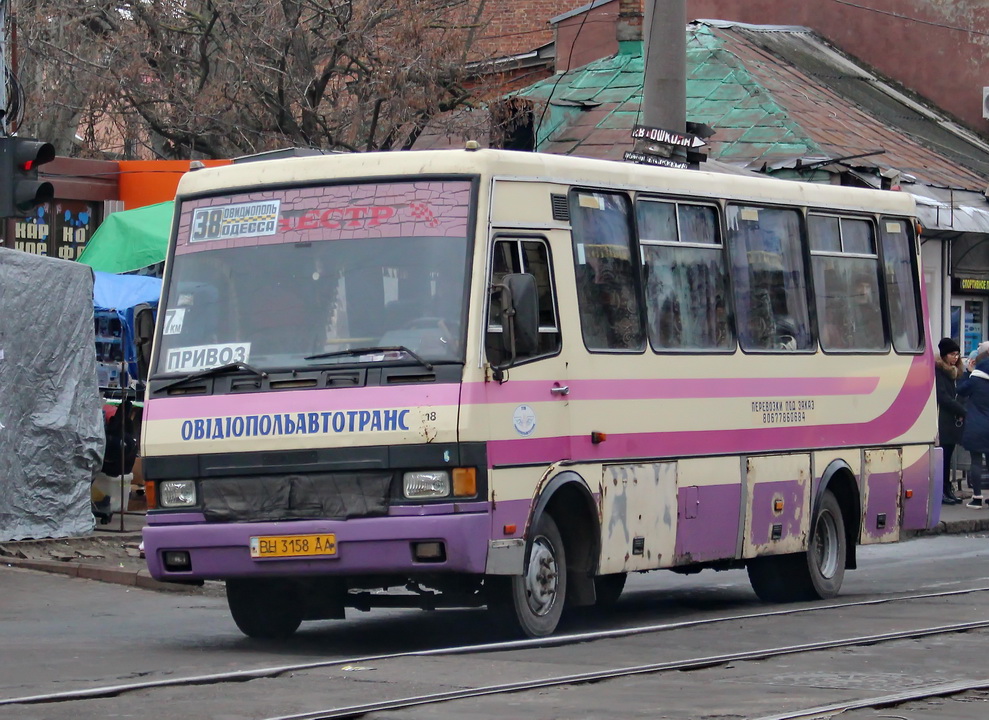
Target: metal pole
(5, 60)
(123, 441)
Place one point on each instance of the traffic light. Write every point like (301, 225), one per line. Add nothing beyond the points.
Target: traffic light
(20, 189)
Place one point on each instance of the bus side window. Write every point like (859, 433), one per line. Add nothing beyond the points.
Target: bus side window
(523, 256)
(900, 274)
(607, 295)
(846, 282)
(685, 276)
(770, 278)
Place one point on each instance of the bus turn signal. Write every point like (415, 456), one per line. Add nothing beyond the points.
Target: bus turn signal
(464, 482)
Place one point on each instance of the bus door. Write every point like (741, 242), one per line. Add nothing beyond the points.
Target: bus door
(527, 408)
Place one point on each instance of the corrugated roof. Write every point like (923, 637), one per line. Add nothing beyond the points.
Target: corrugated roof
(847, 109)
(773, 95)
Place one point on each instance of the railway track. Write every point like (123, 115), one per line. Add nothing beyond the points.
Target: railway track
(356, 711)
(65, 700)
(888, 700)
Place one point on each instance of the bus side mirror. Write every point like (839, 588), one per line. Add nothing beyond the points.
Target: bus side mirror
(519, 316)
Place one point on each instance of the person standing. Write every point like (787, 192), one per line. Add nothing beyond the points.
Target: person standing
(975, 436)
(951, 412)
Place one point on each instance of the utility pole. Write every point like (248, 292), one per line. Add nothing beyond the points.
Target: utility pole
(4, 64)
(664, 87)
(664, 137)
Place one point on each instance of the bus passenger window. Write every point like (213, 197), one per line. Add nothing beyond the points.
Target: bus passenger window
(846, 283)
(607, 297)
(523, 256)
(770, 278)
(901, 284)
(685, 276)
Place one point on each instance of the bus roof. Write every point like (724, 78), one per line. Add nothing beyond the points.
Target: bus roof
(528, 166)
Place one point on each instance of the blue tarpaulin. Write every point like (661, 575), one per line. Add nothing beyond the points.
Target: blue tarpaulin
(123, 294)
(119, 292)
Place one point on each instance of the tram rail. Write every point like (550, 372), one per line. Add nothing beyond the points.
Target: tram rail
(109, 691)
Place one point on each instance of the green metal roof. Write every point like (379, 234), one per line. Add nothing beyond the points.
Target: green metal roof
(607, 95)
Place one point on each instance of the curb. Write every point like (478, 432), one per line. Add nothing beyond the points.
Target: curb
(952, 527)
(131, 578)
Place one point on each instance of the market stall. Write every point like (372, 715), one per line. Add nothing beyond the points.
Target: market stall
(124, 310)
(51, 428)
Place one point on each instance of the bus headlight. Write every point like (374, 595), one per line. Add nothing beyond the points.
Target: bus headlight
(426, 484)
(176, 493)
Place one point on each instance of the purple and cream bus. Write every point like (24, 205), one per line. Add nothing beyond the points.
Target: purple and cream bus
(503, 379)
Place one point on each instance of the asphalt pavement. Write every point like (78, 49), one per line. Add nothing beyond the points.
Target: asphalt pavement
(112, 552)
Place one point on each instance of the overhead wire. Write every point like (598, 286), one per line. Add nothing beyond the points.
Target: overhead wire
(559, 78)
(900, 16)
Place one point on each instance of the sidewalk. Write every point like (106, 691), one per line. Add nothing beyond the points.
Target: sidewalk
(957, 519)
(113, 556)
(109, 553)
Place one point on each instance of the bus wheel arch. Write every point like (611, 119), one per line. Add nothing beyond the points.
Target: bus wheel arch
(569, 501)
(817, 572)
(839, 480)
(560, 552)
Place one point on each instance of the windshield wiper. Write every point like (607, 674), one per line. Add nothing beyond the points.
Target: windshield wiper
(368, 350)
(209, 372)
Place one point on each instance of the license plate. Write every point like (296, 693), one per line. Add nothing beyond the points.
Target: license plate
(279, 546)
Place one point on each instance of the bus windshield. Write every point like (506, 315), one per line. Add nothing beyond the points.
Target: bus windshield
(296, 277)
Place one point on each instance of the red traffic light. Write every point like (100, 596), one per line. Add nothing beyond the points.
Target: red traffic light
(20, 189)
(29, 154)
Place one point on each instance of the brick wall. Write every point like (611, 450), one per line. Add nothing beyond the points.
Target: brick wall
(937, 48)
(509, 27)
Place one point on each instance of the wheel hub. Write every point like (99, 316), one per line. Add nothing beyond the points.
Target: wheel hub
(826, 542)
(541, 579)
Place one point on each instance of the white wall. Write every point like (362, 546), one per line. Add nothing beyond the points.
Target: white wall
(938, 287)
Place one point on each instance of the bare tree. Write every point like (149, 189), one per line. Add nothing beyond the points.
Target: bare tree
(220, 78)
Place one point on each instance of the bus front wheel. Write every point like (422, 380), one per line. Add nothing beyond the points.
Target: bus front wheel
(816, 574)
(536, 598)
(264, 609)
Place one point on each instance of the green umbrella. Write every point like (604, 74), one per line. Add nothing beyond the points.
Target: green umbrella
(130, 239)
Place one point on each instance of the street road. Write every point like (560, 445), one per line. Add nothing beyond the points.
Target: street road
(58, 634)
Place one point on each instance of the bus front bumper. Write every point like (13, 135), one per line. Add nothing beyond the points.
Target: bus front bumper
(363, 546)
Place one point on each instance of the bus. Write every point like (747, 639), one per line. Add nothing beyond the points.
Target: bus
(485, 378)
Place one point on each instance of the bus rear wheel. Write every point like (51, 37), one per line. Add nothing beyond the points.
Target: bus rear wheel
(827, 549)
(811, 575)
(534, 600)
(264, 609)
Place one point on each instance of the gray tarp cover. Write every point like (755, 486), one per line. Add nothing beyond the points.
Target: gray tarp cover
(51, 421)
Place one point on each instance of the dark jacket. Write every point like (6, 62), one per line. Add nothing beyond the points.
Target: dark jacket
(975, 437)
(950, 411)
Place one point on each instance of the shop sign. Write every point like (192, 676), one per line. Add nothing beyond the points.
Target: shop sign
(971, 284)
(74, 224)
(31, 234)
(58, 229)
